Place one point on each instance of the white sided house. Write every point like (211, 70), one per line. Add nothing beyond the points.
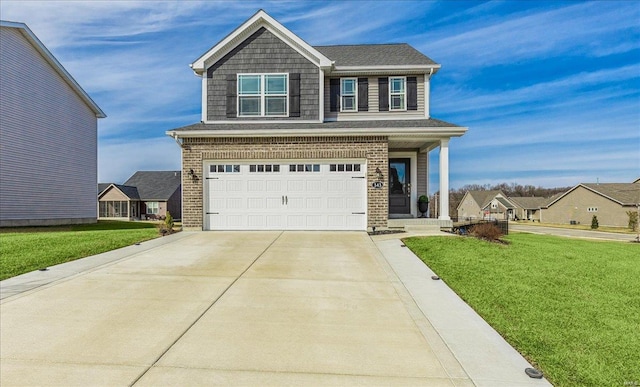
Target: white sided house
(301, 137)
(48, 136)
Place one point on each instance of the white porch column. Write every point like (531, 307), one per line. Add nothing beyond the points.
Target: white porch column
(444, 180)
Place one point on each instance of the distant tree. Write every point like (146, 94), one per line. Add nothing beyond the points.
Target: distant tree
(633, 220)
(513, 189)
(594, 223)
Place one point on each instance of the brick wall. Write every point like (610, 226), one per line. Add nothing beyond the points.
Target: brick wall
(198, 150)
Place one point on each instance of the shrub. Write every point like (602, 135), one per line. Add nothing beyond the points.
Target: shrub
(166, 227)
(488, 231)
(633, 220)
(594, 223)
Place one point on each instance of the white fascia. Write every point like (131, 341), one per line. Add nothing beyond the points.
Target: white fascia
(432, 133)
(395, 69)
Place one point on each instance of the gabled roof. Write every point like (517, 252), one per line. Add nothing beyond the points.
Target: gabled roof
(529, 202)
(626, 194)
(155, 185)
(53, 62)
(259, 20)
(129, 192)
(506, 203)
(483, 198)
(377, 56)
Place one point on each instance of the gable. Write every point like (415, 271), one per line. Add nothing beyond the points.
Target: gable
(258, 21)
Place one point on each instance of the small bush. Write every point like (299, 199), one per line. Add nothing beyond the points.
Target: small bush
(488, 231)
(166, 227)
(594, 223)
(633, 220)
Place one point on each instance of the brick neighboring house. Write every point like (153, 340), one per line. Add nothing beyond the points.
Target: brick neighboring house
(311, 138)
(145, 195)
(48, 136)
(608, 201)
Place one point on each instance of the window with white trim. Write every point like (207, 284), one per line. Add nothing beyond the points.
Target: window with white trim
(348, 94)
(592, 209)
(153, 207)
(397, 93)
(261, 95)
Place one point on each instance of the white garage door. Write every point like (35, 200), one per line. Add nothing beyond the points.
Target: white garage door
(285, 195)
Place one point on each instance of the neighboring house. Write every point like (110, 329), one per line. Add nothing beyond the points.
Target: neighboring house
(528, 207)
(486, 205)
(146, 195)
(608, 201)
(311, 138)
(48, 136)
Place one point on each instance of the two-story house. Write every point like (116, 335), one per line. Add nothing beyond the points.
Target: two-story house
(297, 137)
(48, 136)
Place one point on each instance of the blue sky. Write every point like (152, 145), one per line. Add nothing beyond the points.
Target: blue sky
(550, 91)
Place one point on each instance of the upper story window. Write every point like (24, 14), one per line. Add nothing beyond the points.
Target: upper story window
(397, 93)
(348, 95)
(262, 95)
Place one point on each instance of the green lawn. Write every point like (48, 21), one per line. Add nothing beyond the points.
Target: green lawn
(571, 307)
(29, 248)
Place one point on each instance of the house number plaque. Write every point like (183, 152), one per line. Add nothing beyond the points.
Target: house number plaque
(377, 184)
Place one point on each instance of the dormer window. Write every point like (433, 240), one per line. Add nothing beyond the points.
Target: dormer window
(348, 95)
(397, 93)
(262, 95)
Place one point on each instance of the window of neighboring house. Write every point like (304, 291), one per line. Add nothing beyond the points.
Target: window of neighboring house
(113, 209)
(153, 208)
(592, 209)
(397, 93)
(348, 95)
(262, 95)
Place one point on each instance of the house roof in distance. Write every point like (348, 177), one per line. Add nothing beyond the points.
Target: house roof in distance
(128, 191)
(155, 185)
(53, 62)
(529, 202)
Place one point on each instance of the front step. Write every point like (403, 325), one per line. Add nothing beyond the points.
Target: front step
(422, 228)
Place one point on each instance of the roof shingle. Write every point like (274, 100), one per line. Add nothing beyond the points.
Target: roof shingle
(400, 54)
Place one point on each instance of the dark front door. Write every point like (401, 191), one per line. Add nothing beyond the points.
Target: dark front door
(399, 186)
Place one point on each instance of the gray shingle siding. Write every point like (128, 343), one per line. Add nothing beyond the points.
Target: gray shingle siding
(262, 52)
(48, 141)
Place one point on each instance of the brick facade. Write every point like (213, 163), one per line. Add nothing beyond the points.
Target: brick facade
(196, 151)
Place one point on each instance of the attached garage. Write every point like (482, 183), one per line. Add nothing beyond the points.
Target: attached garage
(285, 195)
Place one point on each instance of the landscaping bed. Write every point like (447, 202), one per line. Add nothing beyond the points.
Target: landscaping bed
(571, 307)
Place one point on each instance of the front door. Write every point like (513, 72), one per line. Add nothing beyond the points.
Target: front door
(399, 186)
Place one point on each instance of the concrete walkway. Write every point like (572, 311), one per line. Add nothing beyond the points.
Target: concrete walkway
(252, 308)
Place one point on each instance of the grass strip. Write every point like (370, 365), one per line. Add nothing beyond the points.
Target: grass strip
(29, 249)
(571, 307)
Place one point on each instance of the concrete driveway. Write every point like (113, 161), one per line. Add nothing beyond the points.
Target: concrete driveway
(242, 308)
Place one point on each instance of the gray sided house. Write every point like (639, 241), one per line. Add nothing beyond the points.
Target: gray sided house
(301, 137)
(146, 195)
(496, 205)
(608, 201)
(48, 136)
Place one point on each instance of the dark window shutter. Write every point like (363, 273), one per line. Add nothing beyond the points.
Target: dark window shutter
(334, 94)
(383, 94)
(294, 95)
(232, 90)
(363, 94)
(412, 93)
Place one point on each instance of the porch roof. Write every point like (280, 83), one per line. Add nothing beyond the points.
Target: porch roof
(422, 134)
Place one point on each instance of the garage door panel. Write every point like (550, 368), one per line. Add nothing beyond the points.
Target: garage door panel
(289, 198)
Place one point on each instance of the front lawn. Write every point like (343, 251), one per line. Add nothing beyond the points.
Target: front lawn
(27, 248)
(571, 307)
